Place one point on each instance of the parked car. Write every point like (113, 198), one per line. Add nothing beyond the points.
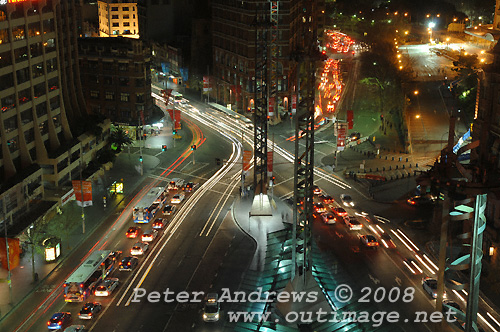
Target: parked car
(89, 310)
(106, 287)
(128, 263)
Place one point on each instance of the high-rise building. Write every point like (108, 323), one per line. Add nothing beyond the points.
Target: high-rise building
(234, 40)
(40, 99)
(118, 18)
(116, 76)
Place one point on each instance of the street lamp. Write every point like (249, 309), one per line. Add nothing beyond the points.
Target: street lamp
(431, 26)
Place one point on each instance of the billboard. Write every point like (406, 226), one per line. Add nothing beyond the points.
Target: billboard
(87, 192)
(247, 156)
(341, 134)
(14, 251)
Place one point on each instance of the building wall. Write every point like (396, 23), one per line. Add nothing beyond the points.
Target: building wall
(116, 75)
(118, 18)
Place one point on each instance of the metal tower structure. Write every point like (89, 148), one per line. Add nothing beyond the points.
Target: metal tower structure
(261, 25)
(273, 68)
(305, 57)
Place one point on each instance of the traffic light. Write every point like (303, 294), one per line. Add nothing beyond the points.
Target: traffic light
(193, 147)
(174, 132)
(273, 178)
(140, 159)
(163, 148)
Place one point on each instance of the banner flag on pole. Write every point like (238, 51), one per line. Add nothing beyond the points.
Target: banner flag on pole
(247, 156)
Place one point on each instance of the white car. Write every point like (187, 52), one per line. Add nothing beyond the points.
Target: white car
(346, 200)
(211, 308)
(430, 286)
(106, 287)
(139, 248)
(150, 235)
(177, 199)
(328, 218)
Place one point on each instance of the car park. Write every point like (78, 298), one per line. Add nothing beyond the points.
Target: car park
(128, 263)
(159, 223)
(150, 235)
(369, 241)
(211, 308)
(319, 207)
(139, 248)
(339, 211)
(326, 199)
(59, 320)
(177, 198)
(346, 200)
(90, 310)
(430, 287)
(106, 287)
(168, 210)
(329, 218)
(133, 232)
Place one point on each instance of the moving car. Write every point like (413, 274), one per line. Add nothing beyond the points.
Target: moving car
(175, 183)
(177, 199)
(168, 210)
(339, 211)
(419, 200)
(116, 255)
(211, 308)
(430, 286)
(316, 190)
(328, 218)
(133, 232)
(89, 310)
(159, 223)
(59, 320)
(354, 136)
(106, 287)
(326, 199)
(150, 235)
(139, 248)
(369, 241)
(189, 187)
(386, 240)
(353, 224)
(128, 263)
(319, 207)
(346, 200)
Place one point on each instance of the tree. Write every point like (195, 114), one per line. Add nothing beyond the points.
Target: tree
(119, 138)
(35, 235)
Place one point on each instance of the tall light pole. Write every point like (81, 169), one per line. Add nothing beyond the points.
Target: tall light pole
(431, 26)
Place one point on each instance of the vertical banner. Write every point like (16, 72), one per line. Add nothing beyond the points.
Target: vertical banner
(14, 252)
(206, 84)
(350, 119)
(294, 104)
(270, 161)
(177, 119)
(171, 113)
(247, 156)
(341, 133)
(166, 95)
(272, 101)
(87, 192)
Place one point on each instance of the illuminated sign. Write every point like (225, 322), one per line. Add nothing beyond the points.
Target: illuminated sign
(3, 2)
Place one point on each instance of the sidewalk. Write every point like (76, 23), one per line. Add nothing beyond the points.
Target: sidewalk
(22, 276)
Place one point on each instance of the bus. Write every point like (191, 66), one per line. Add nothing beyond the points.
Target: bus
(177, 97)
(146, 209)
(95, 268)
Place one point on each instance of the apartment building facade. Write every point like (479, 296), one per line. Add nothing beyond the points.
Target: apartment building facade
(118, 18)
(40, 99)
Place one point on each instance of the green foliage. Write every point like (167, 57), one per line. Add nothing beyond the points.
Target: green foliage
(120, 138)
(105, 155)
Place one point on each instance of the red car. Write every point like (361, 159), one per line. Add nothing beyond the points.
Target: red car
(133, 232)
(339, 211)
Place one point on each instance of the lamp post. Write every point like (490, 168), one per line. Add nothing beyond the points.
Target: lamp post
(431, 26)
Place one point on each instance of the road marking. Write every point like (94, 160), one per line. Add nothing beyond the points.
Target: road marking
(398, 281)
